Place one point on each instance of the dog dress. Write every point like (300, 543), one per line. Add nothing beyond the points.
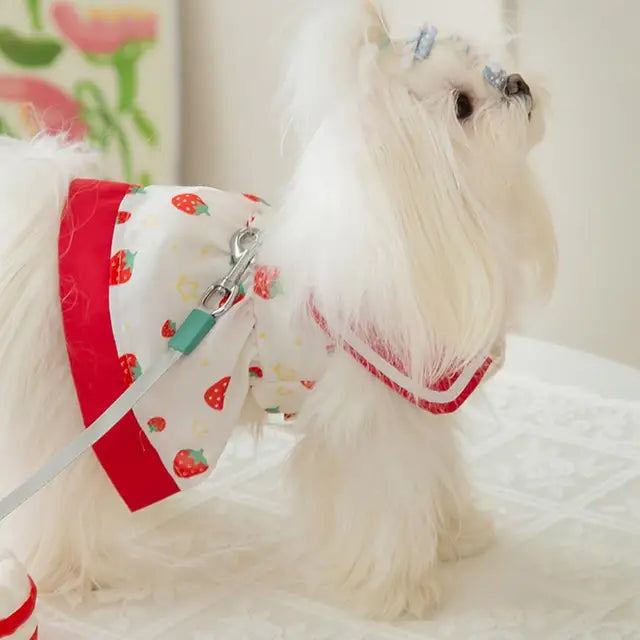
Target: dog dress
(18, 595)
(133, 263)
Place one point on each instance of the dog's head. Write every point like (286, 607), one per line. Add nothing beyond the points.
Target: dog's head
(414, 169)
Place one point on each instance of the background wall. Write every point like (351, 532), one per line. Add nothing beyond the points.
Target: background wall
(589, 51)
(232, 52)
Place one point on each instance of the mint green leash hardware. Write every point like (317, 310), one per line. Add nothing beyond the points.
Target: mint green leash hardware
(244, 247)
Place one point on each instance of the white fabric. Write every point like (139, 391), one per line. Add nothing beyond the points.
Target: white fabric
(560, 470)
(176, 240)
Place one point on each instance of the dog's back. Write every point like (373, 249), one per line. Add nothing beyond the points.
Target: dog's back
(55, 531)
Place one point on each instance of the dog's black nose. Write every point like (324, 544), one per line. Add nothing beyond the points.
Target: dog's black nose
(516, 86)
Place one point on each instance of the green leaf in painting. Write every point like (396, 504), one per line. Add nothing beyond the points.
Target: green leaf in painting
(145, 127)
(5, 129)
(145, 179)
(37, 51)
(33, 9)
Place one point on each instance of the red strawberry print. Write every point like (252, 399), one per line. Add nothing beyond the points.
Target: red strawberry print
(288, 417)
(189, 463)
(156, 424)
(253, 198)
(121, 267)
(241, 296)
(136, 188)
(123, 216)
(131, 369)
(255, 372)
(168, 329)
(265, 282)
(214, 395)
(191, 204)
(308, 384)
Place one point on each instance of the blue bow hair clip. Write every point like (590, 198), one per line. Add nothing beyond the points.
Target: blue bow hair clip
(423, 43)
(496, 76)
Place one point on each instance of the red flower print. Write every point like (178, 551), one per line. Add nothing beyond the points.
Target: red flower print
(45, 107)
(101, 30)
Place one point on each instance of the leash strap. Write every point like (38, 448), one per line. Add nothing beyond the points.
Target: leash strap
(190, 334)
(100, 427)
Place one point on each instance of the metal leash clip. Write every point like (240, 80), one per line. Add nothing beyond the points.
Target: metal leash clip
(244, 246)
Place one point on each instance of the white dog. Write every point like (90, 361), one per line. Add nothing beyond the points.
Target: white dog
(412, 217)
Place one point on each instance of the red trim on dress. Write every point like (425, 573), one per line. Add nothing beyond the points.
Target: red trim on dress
(86, 234)
(11, 624)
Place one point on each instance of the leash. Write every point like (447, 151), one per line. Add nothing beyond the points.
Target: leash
(200, 321)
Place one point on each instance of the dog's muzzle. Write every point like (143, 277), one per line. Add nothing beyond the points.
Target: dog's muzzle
(516, 86)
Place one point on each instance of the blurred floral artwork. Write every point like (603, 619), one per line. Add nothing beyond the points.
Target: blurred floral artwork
(104, 70)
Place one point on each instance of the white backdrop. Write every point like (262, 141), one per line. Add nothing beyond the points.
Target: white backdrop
(586, 49)
(589, 51)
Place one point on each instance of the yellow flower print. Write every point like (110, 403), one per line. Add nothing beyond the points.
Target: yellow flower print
(284, 391)
(150, 221)
(199, 428)
(284, 373)
(188, 289)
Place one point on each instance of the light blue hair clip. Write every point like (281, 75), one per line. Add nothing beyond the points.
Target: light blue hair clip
(423, 43)
(496, 76)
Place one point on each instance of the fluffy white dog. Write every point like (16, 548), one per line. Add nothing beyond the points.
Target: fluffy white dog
(412, 210)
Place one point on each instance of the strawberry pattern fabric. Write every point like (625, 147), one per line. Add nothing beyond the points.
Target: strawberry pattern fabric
(167, 246)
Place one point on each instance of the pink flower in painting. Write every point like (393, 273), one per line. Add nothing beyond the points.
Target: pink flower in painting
(104, 30)
(45, 106)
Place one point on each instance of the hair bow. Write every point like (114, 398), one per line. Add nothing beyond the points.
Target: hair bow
(496, 76)
(421, 45)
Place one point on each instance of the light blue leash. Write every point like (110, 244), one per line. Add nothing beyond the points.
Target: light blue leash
(190, 334)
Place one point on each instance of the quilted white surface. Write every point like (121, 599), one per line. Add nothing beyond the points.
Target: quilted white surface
(559, 467)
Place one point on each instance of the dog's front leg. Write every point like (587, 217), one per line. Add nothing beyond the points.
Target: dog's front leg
(378, 484)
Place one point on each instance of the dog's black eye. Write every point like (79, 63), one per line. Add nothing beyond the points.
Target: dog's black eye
(464, 106)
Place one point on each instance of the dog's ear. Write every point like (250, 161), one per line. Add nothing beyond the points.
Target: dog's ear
(376, 28)
(333, 44)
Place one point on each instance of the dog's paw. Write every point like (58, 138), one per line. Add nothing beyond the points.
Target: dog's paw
(393, 599)
(387, 587)
(466, 536)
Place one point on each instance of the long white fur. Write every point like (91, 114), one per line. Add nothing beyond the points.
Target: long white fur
(398, 217)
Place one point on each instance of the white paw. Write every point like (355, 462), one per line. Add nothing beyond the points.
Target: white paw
(466, 536)
(392, 598)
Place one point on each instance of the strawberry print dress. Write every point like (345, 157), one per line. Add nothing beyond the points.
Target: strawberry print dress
(133, 263)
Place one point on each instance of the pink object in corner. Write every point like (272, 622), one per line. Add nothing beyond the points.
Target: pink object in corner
(46, 106)
(103, 30)
(18, 595)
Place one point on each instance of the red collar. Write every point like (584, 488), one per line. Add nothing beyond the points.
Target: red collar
(445, 395)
